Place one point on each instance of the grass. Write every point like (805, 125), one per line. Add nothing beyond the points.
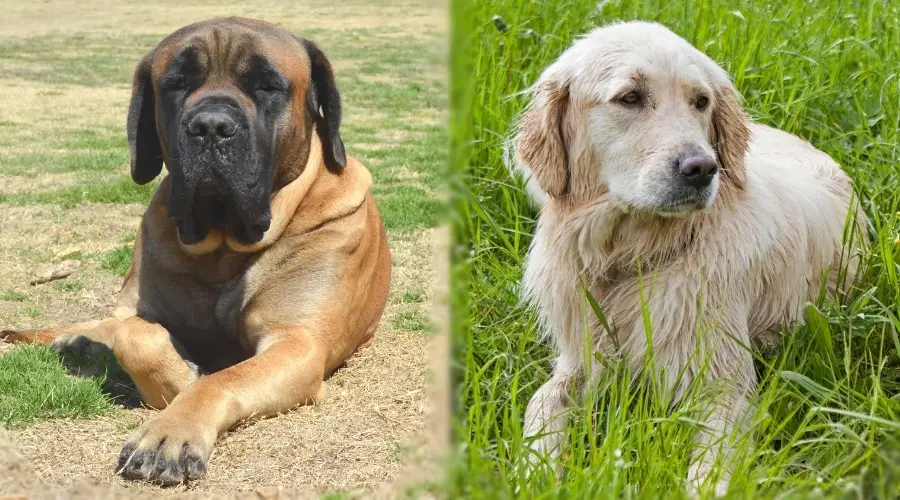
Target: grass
(34, 386)
(828, 404)
(118, 260)
(122, 190)
(13, 296)
(69, 285)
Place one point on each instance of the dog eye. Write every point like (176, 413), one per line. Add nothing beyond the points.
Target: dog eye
(268, 86)
(702, 102)
(178, 83)
(630, 99)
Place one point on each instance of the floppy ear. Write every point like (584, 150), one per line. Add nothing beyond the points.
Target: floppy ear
(325, 106)
(540, 143)
(730, 135)
(146, 155)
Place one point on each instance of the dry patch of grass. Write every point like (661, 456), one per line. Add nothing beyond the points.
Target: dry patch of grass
(36, 236)
(368, 426)
(39, 183)
(24, 18)
(35, 113)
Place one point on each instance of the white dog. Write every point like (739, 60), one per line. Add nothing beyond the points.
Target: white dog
(648, 171)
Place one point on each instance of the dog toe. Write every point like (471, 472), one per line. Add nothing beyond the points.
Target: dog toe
(167, 472)
(163, 453)
(139, 465)
(69, 342)
(192, 464)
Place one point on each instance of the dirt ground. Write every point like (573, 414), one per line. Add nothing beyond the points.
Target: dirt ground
(369, 426)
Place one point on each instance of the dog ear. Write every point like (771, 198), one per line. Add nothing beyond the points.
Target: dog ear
(143, 141)
(325, 106)
(730, 134)
(540, 142)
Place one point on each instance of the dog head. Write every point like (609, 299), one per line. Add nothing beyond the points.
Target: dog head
(229, 106)
(635, 112)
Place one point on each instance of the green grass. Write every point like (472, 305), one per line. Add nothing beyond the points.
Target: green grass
(68, 286)
(123, 190)
(13, 296)
(412, 321)
(118, 260)
(35, 386)
(101, 157)
(32, 312)
(829, 401)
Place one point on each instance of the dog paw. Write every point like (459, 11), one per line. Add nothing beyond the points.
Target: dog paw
(166, 451)
(19, 337)
(697, 486)
(69, 344)
(544, 453)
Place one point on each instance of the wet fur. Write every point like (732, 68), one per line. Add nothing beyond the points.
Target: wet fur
(714, 281)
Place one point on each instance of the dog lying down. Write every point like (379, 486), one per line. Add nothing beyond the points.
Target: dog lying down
(637, 150)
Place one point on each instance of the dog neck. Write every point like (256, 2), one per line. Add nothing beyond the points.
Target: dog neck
(604, 240)
(284, 205)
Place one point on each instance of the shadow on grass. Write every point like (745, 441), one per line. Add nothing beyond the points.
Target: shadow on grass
(37, 384)
(96, 361)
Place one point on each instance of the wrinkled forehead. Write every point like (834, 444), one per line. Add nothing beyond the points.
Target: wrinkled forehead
(230, 51)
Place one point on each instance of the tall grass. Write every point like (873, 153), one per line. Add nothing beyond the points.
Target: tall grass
(828, 406)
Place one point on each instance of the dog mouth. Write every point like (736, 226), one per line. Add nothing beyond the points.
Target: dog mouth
(683, 207)
(228, 196)
(210, 209)
(220, 179)
(683, 203)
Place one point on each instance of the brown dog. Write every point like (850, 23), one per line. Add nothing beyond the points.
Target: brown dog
(261, 263)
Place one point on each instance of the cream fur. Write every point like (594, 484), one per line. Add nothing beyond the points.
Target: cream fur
(715, 278)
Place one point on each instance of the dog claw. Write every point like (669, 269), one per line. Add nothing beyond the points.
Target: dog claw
(11, 336)
(154, 465)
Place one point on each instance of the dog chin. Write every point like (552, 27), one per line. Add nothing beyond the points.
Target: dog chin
(683, 206)
(247, 223)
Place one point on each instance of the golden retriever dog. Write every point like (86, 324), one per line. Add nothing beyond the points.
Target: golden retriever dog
(659, 195)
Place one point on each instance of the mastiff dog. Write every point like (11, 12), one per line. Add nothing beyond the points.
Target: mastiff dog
(261, 263)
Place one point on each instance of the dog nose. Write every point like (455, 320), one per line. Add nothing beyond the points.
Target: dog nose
(212, 124)
(698, 170)
(262, 223)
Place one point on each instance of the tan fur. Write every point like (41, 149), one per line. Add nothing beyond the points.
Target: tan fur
(730, 135)
(267, 322)
(540, 141)
(713, 280)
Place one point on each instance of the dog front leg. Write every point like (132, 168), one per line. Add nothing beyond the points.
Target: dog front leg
(546, 416)
(726, 418)
(145, 351)
(153, 359)
(175, 445)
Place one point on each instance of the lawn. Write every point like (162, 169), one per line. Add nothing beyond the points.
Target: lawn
(66, 194)
(828, 405)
